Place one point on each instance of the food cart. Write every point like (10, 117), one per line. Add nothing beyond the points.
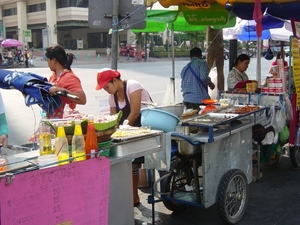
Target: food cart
(213, 162)
(92, 191)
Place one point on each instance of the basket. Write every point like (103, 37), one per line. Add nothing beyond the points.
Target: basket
(103, 126)
(102, 150)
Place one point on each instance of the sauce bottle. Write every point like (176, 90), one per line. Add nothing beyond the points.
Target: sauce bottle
(61, 145)
(91, 143)
(45, 139)
(78, 143)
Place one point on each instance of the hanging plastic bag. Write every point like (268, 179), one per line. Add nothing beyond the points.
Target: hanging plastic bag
(280, 118)
(213, 74)
(169, 97)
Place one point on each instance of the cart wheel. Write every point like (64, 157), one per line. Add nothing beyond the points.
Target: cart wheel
(179, 183)
(295, 155)
(232, 196)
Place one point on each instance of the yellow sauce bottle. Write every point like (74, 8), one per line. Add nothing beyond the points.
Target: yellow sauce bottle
(78, 143)
(61, 145)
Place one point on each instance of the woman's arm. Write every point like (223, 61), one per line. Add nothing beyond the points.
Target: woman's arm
(3, 130)
(135, 106)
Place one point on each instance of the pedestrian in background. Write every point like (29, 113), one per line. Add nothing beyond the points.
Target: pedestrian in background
(26, 55)
(108, 53)
(127, 52)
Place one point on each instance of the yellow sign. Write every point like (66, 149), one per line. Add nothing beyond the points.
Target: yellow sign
(296, 67)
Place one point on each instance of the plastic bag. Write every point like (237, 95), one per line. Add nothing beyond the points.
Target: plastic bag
(169, 97)
(213, 74)
(280, 118)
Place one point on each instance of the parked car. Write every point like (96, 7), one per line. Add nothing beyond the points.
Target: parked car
(132, 51)
(226, 54)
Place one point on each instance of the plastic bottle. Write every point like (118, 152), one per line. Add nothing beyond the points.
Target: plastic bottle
(45, 139)
(298, 136)
(78, 143)
(91, 143)
(61, 145)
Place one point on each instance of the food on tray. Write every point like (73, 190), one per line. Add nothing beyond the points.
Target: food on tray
(244, 109)
(130, 132)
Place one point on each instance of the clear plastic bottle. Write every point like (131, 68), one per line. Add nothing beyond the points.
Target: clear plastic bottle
(91, 143)
(78, 143)
(61, 145)
(45, 139)
(298, 136)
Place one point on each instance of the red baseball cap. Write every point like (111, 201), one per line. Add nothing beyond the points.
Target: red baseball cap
(104, 76)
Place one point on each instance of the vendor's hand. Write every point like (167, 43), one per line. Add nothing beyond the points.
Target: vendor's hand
(212, 86)
(3, 140)
(53, 90)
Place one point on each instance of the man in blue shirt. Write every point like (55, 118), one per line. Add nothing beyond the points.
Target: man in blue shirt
(195, 80)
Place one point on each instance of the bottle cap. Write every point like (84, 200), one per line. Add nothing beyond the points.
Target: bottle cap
(90, 117)
(77, 121)
(60, 123)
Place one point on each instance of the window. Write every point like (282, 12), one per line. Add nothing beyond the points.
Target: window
(72, 3)
(97, 40)
(9, 12)
(36, 7)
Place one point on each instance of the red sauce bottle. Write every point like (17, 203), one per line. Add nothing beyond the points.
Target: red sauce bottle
(91, 143)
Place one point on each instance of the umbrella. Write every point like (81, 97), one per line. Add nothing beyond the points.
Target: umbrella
(274, 28)
(35, 89)
(11, 43)
(183, 19)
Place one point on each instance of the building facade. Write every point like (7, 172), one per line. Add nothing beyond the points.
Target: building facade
(63, 22)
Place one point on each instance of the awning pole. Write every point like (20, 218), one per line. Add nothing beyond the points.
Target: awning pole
(173, 62)
(258, 66)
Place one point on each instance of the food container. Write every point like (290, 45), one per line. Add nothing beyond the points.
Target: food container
(2, 164)
(158, 119)
(177, 110)
(224, 102)
(187, 149)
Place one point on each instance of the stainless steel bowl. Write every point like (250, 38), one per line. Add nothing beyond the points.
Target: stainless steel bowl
(177, 110)
(187, 149)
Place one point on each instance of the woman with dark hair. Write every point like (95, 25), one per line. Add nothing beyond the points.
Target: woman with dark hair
(237, 78)
(63, 79)
(126, 96)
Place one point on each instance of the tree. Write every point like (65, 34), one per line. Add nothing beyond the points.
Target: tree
(195, 37)
(214, 39)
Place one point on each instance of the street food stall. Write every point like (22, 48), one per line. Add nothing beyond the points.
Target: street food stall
(213, 160)
(85, 192)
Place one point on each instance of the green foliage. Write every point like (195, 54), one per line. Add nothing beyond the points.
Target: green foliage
(195, 37)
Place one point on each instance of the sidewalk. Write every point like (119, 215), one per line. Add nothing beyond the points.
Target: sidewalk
(274, 199)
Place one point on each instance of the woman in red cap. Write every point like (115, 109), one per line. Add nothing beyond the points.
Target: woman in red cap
(125, 96)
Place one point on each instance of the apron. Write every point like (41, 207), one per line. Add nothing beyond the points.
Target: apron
(125, 113)
(126, 109)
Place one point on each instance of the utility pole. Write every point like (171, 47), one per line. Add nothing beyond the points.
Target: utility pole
(115, 35)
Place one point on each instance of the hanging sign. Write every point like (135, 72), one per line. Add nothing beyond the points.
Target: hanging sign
(27, 36)
(204, 14)
(296, 67)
